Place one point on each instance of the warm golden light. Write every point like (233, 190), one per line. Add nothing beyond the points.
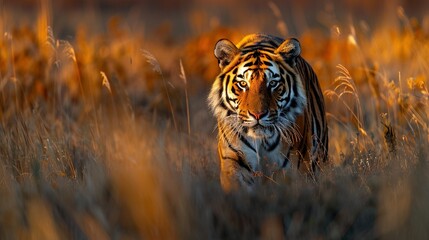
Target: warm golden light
(105, 130)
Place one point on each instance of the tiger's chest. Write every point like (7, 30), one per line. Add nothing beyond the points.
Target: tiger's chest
(266, 156)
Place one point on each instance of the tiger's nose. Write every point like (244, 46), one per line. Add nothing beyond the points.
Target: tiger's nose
(258, 115)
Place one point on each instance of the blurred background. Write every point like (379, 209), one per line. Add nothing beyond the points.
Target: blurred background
(185, 18)
(105, 130)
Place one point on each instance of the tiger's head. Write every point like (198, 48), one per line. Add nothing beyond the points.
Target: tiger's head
(259, 90)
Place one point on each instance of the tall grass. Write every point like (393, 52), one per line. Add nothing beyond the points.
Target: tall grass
(97, 143)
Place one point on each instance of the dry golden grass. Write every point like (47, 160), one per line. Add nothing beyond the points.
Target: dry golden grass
(108, 135)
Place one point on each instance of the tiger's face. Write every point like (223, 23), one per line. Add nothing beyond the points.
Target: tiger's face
(257, 90)
(258, 93)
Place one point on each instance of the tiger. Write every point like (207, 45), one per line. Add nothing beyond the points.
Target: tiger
(270, 111)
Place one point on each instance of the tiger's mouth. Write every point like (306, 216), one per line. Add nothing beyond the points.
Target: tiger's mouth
(259, 131)
(259, 128)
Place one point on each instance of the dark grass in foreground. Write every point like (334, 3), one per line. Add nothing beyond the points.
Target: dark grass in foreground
(114, 176)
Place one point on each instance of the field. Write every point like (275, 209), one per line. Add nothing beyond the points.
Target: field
(105, 131)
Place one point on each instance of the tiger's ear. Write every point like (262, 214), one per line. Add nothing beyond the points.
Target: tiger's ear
(289, 49)
(225, 51)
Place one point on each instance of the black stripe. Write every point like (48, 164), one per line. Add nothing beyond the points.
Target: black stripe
(247, 57)
(317, 123)
(228, 98)
(312, 103)
(314, 97)
(319, 101)
(245, 130)
(244, 140)
(267, 43)
(303, 144)
(248, 64)
(222, 105)
(227, 78)
(256, 54)
(221, 87)
(295, 85)
(289, 84)
(234, 90)
(258, 62)
(286, 109)
(272, 43)
(231, 100)
(293, 103)
(241, 162)
(271, 71)
(270, 147)
(268, 63)
(250, 49)
(286, 160)
(228, 143)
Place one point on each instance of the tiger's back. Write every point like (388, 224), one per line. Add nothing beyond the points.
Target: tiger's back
(269, 108)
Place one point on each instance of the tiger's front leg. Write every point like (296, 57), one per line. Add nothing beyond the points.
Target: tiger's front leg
(234, 173)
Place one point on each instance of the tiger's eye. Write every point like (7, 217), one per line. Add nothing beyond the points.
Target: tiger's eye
(273, 83)
(243, 84)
